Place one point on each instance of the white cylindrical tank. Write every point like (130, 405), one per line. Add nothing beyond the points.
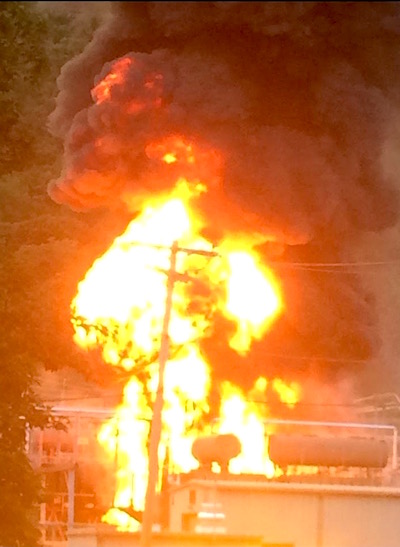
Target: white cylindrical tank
(216, 448)
(328, 451)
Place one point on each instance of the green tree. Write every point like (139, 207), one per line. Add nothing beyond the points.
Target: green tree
(45, 248)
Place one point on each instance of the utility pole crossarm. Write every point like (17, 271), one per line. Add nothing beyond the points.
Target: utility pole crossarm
(198, 252)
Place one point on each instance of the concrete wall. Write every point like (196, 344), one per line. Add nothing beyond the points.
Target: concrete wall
(108, 536)
(303, 515)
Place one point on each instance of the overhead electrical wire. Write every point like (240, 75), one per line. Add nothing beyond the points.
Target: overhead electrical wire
(334, 267)
(217, 253)
(111, 397)
(315, 358)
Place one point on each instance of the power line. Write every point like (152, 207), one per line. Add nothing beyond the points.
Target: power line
(327, 267)
(336, 264)
(326, 270)
(315, 358)
(355, 404)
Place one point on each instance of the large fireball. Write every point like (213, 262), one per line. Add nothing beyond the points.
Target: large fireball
(120, 307)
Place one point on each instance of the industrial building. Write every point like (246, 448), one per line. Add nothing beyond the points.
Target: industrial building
(338, 486)
(67, 460)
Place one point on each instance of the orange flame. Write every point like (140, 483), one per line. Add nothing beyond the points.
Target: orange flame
(151, 87)
(120, 306)
(288, 393)
(102, 91)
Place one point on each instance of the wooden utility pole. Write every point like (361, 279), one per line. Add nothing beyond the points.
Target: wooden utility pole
(156, 423)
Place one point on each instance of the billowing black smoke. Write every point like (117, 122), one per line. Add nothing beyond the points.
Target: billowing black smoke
(301, 102)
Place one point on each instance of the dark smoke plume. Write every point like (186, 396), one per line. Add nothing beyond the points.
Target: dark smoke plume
(300, 100)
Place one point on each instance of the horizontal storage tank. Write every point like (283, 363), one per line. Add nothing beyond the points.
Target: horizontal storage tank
(287, 450)
(216, 448)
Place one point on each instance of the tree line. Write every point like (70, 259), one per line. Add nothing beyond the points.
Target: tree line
(45, 247)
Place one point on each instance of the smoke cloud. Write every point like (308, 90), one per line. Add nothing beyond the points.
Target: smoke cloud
(299, 101)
